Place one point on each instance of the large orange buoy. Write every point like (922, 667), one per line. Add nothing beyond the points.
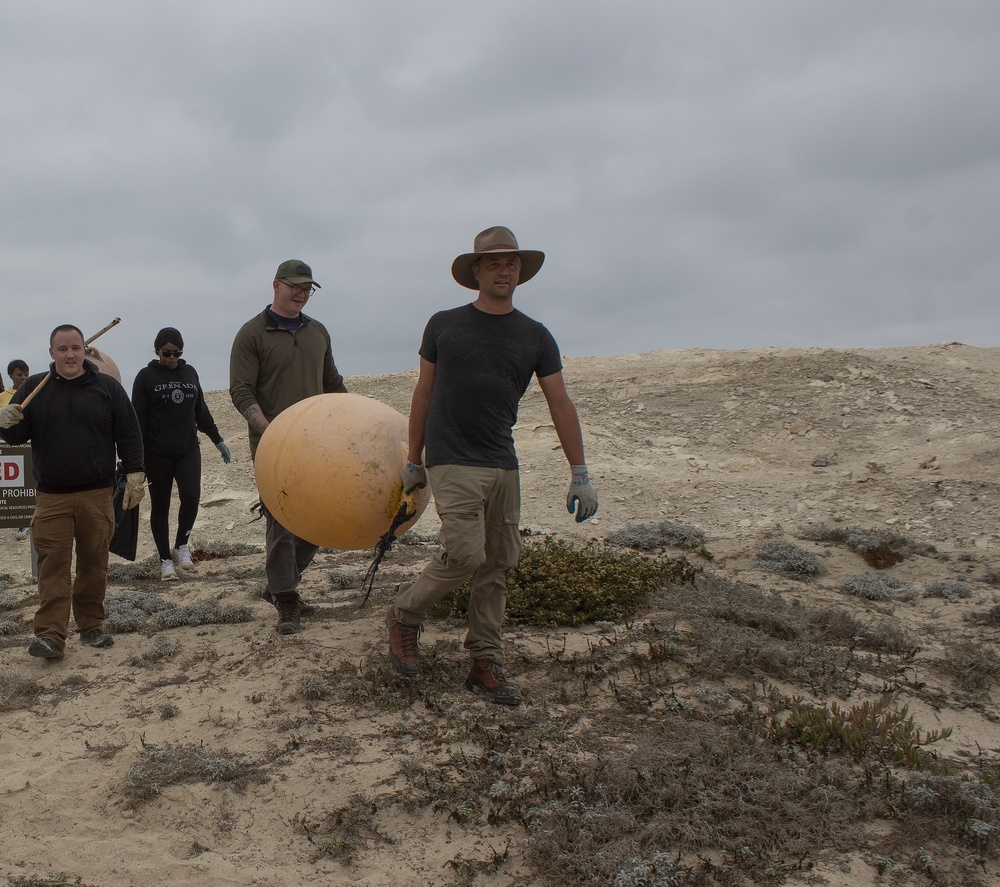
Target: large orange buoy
(328, 469)
(103, 363)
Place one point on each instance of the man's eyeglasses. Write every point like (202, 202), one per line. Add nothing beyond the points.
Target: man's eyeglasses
(167, 352)
(306, 289)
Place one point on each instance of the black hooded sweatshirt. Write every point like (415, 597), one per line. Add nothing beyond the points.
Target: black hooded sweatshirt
(75, 427)
(171, 409)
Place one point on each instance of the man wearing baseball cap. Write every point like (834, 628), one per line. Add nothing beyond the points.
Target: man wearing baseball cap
(476, 362)
(280, 357)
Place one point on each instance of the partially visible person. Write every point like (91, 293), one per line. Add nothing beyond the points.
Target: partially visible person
(18, 372)
(78, 425)
(170, 406)
(279, 357)
(16, 378)
(476, 362)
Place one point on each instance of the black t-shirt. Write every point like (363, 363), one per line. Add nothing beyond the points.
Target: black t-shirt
(483, 365)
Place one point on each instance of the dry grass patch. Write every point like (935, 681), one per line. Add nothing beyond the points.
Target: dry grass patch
(656, 536)
(17, 691)
(878, 548)
(344, 832)
(160, 768)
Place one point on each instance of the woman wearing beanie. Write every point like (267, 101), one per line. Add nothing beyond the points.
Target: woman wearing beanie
(171, 408)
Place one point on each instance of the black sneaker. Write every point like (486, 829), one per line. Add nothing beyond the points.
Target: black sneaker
(97, 637)
(289, 613)
(45, 648)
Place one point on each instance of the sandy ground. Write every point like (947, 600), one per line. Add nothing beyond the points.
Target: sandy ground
(748, 446)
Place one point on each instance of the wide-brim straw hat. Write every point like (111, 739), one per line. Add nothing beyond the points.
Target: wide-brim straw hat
(495, 240)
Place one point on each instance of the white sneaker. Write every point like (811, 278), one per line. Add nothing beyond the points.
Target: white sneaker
(21, 534)
(167, 571)
(182, 557)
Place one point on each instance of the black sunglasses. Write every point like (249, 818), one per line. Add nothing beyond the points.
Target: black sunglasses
(166, 352)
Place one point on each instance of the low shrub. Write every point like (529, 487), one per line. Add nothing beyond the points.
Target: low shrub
(9, 627)
(216, 550)
(652, 537)
(160, 768)
(131, 572)
(950, 590)
(342, 579)
(878, 548)
(17, 691)
(558, 584)
(870, 730)
(342, 833)
(787, 559)
(202, 613)
(873, 586)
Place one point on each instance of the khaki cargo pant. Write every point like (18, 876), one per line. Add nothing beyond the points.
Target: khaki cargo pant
(479, 509)
(88, 519)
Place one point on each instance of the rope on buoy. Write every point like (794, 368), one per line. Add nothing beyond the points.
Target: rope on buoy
(383, 545)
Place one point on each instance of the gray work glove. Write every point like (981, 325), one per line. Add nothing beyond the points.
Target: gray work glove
(223, 448)
(414, 477)
(10, 415)
(581, 494)
(135, 489)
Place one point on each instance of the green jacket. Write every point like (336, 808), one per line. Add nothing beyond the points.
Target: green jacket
(274, 368)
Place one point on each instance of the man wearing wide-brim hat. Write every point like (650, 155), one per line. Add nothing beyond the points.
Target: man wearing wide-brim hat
(476, 362)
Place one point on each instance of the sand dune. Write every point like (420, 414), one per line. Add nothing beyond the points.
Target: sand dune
(332, 754)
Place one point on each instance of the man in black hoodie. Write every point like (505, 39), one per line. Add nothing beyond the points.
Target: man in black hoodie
(76, 425)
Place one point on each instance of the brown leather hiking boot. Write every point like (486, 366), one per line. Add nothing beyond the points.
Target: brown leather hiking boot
(487, 677)
(404, 650)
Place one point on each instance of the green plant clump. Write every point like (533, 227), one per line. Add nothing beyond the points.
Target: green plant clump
(557, 584)
(871, 729)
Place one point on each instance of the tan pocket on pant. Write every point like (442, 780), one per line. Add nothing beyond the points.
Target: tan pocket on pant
(509, 546)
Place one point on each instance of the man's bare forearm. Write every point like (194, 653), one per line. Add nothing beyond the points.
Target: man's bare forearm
(255, 418)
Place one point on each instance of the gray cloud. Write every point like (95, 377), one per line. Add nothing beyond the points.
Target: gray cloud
(716, 174)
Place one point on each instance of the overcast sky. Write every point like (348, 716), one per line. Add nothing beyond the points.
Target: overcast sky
(722, 174)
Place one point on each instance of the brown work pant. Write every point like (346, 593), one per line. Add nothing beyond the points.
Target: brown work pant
(88, 519)
(479, 510)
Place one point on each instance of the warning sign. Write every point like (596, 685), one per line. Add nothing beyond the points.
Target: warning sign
(17, 486)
